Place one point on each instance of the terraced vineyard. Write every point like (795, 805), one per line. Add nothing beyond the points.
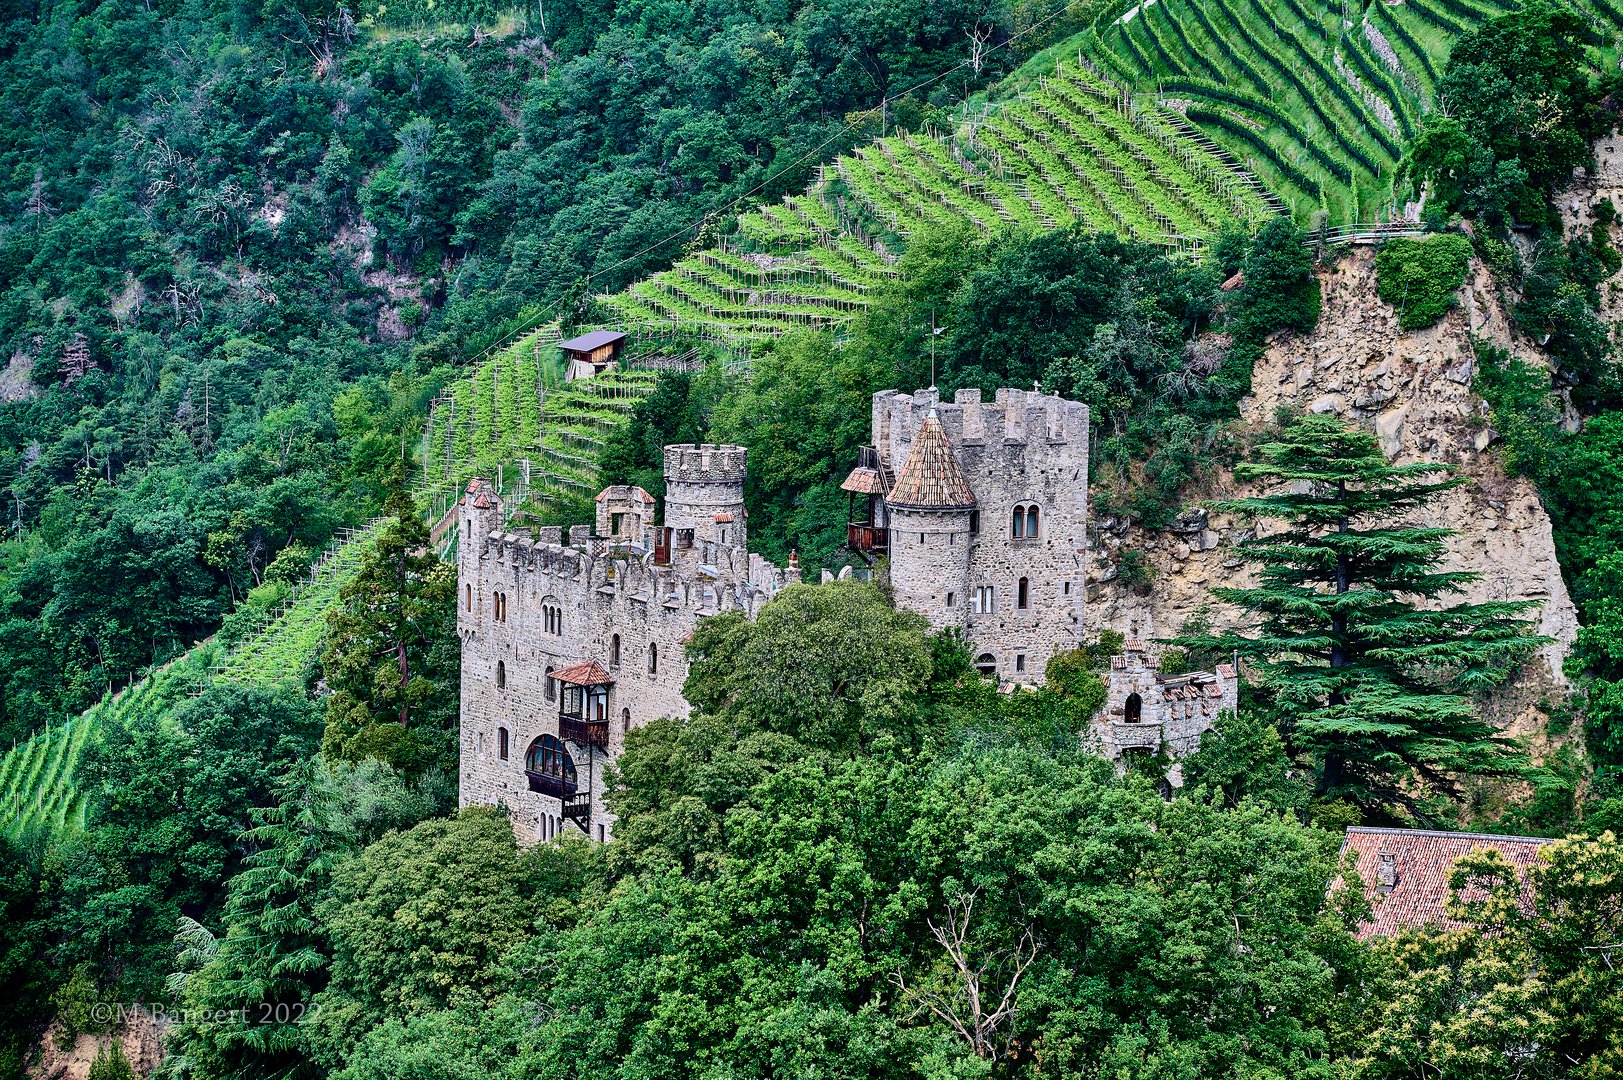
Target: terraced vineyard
(1073, 149)
(39, 777)
(1321, 110)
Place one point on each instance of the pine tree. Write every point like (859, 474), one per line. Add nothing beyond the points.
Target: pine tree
(1374, 687)
(391, 661)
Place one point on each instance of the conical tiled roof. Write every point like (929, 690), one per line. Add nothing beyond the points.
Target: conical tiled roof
(930, 478)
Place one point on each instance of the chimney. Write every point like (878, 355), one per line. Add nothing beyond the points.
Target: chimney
(1386, 871)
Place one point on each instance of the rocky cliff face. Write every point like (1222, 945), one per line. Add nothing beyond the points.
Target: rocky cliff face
(1413, 389)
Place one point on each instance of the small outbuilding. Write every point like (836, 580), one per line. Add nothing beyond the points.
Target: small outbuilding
(592, 354)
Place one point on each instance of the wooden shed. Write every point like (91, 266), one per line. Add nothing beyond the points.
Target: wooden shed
(592, 353)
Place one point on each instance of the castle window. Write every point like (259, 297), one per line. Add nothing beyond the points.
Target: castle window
(921, 538)
(1022, 598)
(974, 522)
(614, 651)
(552, 685)
(1067, 588)
(501, 743)
(950, 598)
(501, 674)
(1023, 522)
(986, 664)
(552, 616)
(1134, 712)
(653, 658)
(983, 601)
(469, 594)
(625, 721)
(1019, 661)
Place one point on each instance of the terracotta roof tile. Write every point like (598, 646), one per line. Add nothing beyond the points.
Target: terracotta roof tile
(585, 673)
(931, 479)
(1421, 861)
(864, 481)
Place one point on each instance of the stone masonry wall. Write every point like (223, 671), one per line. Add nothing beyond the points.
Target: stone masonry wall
(1021, 448)
(613, 604)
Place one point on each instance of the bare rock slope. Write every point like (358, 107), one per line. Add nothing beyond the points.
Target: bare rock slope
(1413, 389)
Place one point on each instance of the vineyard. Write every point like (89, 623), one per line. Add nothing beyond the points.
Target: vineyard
(38, 778)
(1073, 148)
(1319, 100)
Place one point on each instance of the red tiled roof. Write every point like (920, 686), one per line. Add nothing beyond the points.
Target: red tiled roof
(864, 481)
(585, 673)
(930, 478)
(1422, 861)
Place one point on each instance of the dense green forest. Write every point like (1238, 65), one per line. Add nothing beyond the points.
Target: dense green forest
(243, 242)
(247, 244)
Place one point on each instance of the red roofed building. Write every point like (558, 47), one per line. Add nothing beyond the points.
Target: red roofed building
(1405, 872)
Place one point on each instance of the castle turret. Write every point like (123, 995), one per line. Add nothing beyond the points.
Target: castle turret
(931, 513)
(704, 493)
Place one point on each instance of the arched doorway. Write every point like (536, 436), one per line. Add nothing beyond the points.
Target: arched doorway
(1134, 711)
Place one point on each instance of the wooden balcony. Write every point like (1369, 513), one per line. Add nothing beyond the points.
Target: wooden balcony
(578, 729)
(867, 537)
(546, 783)
(579, 810)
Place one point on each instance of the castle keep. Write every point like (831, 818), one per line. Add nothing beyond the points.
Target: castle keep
(570, 641)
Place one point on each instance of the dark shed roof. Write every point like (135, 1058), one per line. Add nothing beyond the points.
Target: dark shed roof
(595, 340)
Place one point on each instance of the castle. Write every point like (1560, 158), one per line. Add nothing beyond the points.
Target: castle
(569, 642)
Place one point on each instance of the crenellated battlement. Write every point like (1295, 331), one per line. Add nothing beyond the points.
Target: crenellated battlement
(1013, 418)
(706, 463)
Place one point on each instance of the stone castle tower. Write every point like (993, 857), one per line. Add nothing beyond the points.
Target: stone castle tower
(978, 510)
(570, 642)
(981, 508)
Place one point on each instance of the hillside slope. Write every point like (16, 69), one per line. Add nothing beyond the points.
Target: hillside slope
(1414, 388)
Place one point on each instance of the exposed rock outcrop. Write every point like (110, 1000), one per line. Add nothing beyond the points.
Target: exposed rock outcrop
(1413, 388)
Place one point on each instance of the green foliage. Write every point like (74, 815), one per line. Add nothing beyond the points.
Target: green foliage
(1524, 987)
(392, 662)
(1513, 118)
(111, 1064)
(416, 920)
(1420, 277)
(252, 988)
(1372, 685)
(25, 975)
(1522, 409)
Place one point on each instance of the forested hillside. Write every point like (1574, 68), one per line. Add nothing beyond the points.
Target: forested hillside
(280, 277)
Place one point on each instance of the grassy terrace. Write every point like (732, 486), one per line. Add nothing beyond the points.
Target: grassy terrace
(39, 789)
(1318, 108)
(1070, 149)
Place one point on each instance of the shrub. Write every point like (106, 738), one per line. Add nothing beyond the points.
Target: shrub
(1420, 277)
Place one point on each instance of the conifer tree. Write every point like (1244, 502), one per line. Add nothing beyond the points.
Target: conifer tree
(1371, 685)
(391, 661)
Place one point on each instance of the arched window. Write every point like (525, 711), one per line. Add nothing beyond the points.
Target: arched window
(625, 721)
(501, 743)
(552, 616)
(1134, 712)
(1023, 522)
(986, 664)
(501, 674)
(549, 759)
(653, 658)
(614, 651)
(552, 685)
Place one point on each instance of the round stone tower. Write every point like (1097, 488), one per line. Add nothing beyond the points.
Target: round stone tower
(704, 491)
(931, 509)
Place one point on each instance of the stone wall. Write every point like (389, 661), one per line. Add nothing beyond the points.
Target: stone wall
(1023, 448)
(617, 608)
(1171, 712)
